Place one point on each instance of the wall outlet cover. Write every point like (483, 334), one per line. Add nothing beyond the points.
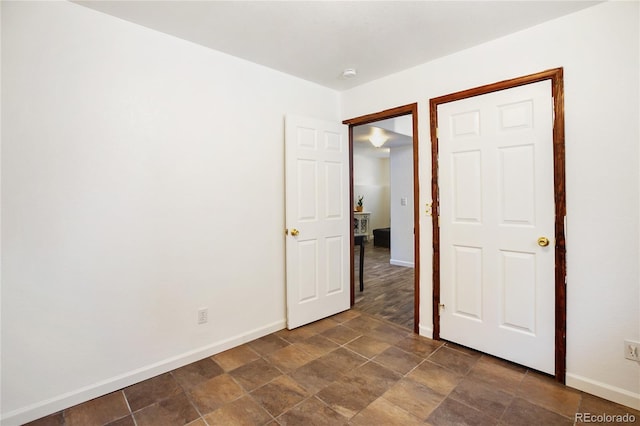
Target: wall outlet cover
(632, 350)
(203, 315)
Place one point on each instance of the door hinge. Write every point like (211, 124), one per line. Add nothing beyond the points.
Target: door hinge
(441, 307)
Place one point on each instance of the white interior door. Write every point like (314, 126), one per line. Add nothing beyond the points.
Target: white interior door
(496, 200)
(317, 219)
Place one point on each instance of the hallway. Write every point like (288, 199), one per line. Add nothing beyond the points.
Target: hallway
(388, 289)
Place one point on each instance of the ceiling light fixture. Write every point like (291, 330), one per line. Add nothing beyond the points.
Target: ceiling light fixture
(377, 137)
(349, 73)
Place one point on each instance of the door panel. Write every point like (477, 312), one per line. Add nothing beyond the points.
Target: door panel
(468, 282)
(518, 289)
(317, 207)
(307, 271)
(517, 181)
(336, 263)
(467, 170)
(496, 198)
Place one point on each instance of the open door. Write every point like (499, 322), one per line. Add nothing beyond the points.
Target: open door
(317, 219)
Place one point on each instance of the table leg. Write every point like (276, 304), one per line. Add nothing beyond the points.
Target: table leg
(361, 264)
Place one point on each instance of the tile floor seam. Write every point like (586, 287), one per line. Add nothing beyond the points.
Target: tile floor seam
(411, 371)
(342, 345)
(244, 391)
(113, 420)
(437, 349)
(464, 375)
(250, 395)
(476, 408)
(277, 368)
(143, 408)
(294, 407)
(519, 394)
(543, 407)
(579, 409)
(444, 396)
(505, 410)
(560, 414)
(524, 376)
(373, 360)
(400, 408)
(188, 396)
(126, 400)
(537, 405)
(358, 354)
(185, 391)
(445, 368)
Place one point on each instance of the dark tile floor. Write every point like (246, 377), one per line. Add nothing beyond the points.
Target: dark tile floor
(388, 289)
(352, 368)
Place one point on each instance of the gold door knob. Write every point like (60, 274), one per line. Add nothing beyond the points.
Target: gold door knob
(294, 232)
(543, 241)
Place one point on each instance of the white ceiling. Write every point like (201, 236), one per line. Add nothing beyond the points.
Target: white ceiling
(398, 131)
(317, 40)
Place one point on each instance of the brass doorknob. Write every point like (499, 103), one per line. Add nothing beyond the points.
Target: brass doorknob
(543, 241)
(294, 232)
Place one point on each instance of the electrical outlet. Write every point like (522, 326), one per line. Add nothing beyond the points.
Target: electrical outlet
(203, 315)
(632, 350)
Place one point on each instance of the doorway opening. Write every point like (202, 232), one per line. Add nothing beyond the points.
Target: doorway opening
(386, 231)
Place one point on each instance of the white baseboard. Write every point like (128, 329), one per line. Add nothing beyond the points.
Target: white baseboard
(603, 390)
(69, 399)
(402, 263)
(425, 331)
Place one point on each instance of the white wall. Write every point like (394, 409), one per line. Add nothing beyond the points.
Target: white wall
(371, 180)
(132, 166)
(129, 158)
(598, 48)
(402, 241)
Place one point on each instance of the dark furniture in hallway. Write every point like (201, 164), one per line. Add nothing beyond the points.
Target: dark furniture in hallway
(382, 237)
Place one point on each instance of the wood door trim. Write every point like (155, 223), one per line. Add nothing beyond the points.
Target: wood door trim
(557, 92)
(370, 118)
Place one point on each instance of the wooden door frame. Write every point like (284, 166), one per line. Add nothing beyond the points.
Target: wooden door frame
(557, 93)
(367, 119)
